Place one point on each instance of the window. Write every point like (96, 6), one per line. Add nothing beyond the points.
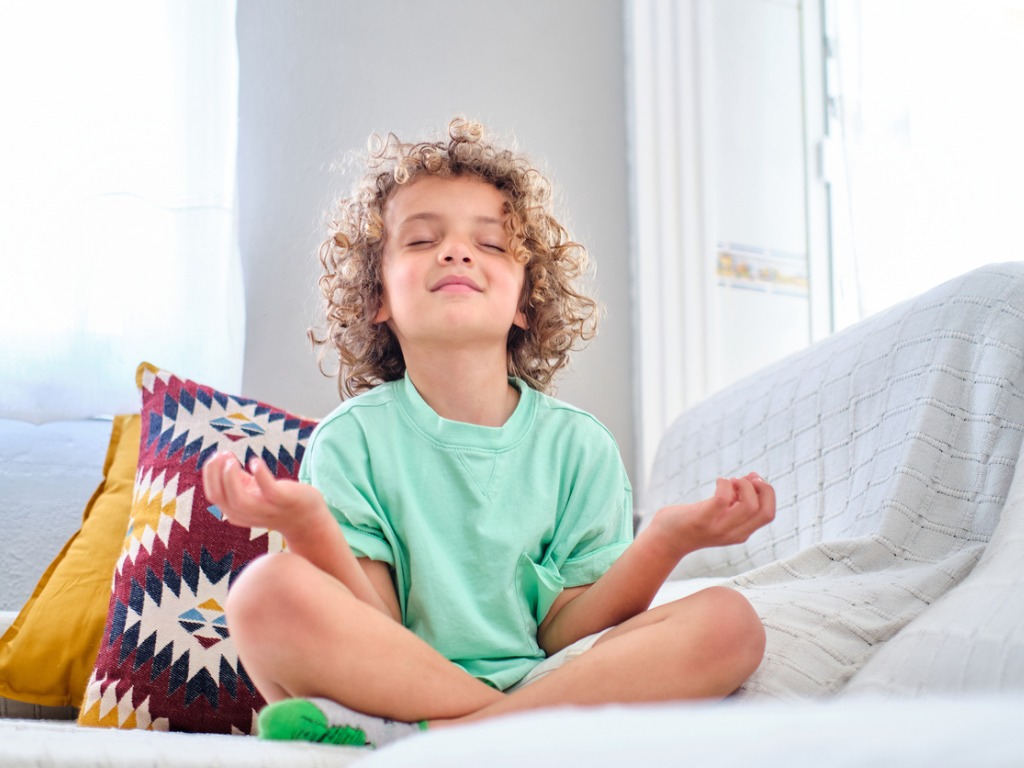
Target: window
(798, 165)
(925, 159)
(117, 221)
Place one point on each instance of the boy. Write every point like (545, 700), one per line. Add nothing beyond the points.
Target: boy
(460, 546)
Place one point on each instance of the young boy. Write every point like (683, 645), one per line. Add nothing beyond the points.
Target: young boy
(461, 544)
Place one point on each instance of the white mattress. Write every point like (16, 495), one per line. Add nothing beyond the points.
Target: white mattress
(973, 732)
(42, 744)
(953, 732)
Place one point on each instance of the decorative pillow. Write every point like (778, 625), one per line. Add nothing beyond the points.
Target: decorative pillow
(47, 654)
(166, 659)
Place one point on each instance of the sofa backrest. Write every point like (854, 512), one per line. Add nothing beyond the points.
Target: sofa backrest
(47, 474)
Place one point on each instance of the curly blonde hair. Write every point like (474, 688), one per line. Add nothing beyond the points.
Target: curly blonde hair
(559, 317)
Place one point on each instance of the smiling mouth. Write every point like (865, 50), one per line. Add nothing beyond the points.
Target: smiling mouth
(455, 284)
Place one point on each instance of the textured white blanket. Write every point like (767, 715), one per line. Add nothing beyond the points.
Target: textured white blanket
(892, 448)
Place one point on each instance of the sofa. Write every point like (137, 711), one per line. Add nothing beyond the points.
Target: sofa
(889, 584)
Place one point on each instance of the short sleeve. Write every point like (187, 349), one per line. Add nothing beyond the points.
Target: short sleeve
(596, 524)
(337, 465)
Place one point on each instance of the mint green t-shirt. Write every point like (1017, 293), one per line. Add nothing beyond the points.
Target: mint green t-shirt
(482, 526)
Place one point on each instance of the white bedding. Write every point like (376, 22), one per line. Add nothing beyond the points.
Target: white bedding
(980, 732)
(892, 448)
(30, 743)
(972, 732)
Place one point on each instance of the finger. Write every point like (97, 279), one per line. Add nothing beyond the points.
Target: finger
(758, 482)
(212, 472)
(766, 493)
(745, 493)
(265, 479)
(725, 493)
(233, 483)
(762, 514)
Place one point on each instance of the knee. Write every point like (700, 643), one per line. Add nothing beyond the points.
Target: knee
(734, 632)
(739, 629)
(266, 587)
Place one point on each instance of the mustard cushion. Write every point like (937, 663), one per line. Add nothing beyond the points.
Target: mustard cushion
(47, 654)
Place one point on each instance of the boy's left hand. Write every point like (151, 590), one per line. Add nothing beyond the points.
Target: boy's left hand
(739, 507)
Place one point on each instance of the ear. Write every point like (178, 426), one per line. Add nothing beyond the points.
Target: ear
(519, 320)
(384, 311)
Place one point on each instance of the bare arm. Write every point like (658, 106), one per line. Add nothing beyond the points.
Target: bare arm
(257, 499)
(738, 508)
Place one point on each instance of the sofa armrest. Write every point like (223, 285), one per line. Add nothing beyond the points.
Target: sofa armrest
(923, 400)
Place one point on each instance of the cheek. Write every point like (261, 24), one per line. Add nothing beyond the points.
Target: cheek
(397, 282)
(401, 281)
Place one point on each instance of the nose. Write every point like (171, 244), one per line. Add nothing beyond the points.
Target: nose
(455, 250)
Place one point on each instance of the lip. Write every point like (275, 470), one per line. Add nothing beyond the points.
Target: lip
(454, 282)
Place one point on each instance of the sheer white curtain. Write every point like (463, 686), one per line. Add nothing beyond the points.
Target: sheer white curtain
(929, 109)
(117, 192)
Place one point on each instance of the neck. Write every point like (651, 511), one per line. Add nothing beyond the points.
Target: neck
(467, 386)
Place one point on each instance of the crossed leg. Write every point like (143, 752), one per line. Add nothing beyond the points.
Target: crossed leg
(301, 633)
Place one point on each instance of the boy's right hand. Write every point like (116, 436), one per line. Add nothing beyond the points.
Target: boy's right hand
(257, 499)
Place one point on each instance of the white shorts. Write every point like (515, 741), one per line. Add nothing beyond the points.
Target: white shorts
(560, 659)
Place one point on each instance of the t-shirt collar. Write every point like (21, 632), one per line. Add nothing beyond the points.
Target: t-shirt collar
(457, 433)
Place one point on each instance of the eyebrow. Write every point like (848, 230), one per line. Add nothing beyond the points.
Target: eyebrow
(427, 216)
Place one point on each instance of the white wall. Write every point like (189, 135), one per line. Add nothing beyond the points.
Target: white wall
(317, 77)
(731, 226)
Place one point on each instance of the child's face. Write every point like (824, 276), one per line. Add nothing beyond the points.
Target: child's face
(448, 270)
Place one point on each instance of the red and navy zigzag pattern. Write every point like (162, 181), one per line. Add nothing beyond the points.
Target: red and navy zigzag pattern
(167, 660)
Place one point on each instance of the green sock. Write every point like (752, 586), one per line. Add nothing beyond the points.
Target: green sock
(327, 722)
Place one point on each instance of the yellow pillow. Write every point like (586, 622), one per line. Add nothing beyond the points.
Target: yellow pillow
(48, 653)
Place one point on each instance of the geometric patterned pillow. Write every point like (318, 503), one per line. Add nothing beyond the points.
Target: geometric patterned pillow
(166, 660)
